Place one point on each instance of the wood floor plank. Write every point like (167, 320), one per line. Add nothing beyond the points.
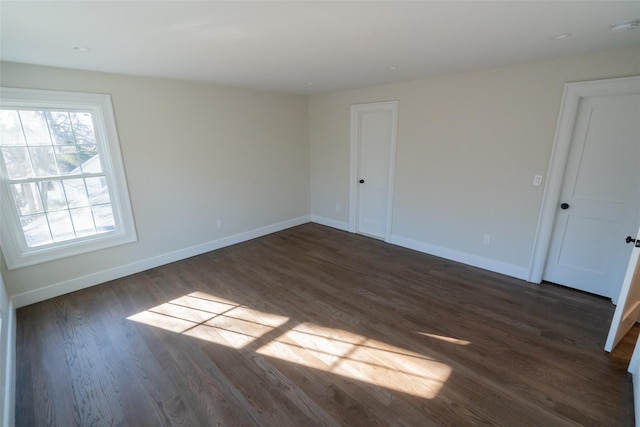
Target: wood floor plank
(314, 326)
(129, 358)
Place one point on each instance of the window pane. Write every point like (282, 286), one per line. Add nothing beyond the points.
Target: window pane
(17, 162)
(35, 128)
(83, 128)
(83, 221)
(76, 193)
(92, 165)
(56, 160)
(27, 198)
(103, 216)
(91, 160)
(61, 227)
(44, 162)
(98, 191)
(36, 230)
(69, 160)
(53, 196)
(88, 150)
(10, 128)
(60, 125)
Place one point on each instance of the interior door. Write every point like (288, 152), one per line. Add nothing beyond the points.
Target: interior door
(628, 308)
(599, 198)
(375, 139)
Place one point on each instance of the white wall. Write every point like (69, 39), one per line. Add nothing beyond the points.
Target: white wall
(193, 153)
(7, 358)
(468, 148)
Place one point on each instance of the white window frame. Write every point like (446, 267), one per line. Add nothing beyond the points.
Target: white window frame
(12, 240)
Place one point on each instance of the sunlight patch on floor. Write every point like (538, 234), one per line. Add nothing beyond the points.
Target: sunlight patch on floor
(361, 358)
(338, 351)
(212, 319)
(446, 339)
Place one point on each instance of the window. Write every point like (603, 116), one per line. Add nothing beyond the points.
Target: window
(63, 184)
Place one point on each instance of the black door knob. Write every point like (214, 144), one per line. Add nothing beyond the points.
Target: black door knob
(362, 181)
(564, 206)
(629, 239)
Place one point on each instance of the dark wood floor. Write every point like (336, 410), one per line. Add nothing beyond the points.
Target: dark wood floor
(313, 326)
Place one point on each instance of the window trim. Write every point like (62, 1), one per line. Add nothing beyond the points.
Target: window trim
(14, 247)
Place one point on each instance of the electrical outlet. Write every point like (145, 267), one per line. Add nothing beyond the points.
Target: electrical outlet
(219, 223)
(487, 239)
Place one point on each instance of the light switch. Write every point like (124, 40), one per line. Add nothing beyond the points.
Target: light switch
(537, 180)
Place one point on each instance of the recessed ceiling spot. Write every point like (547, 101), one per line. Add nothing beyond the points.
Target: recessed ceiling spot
(393, 67)
(83, 49)
(309, 83)
(561, 36)
(625, 26)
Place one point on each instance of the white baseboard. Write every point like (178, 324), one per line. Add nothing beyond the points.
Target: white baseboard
(636, 397)
(463, 257)
(9, 370)
(340, 225)
(450, 254)
(61, 288)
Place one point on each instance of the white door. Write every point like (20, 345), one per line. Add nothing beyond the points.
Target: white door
(373, 152)
(628, 308)
(599, 198)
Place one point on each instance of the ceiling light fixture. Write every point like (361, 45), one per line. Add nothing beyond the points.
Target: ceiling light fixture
(82, 49)
(393, 67)
(561, 36)
(625, 26)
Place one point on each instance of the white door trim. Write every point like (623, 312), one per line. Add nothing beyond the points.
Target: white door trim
(391, 106)
(571, 96)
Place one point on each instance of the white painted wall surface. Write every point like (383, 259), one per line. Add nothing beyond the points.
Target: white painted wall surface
(7, 358)
(468, 148)
(193, 153)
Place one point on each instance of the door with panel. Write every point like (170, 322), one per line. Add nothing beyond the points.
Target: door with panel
(373, 146)
(628, 309)
(600, 197)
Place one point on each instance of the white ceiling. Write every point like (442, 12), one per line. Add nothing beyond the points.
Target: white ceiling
(285, 45)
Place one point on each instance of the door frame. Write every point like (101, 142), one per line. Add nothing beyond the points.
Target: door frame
(571, 96)
(356, 110)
